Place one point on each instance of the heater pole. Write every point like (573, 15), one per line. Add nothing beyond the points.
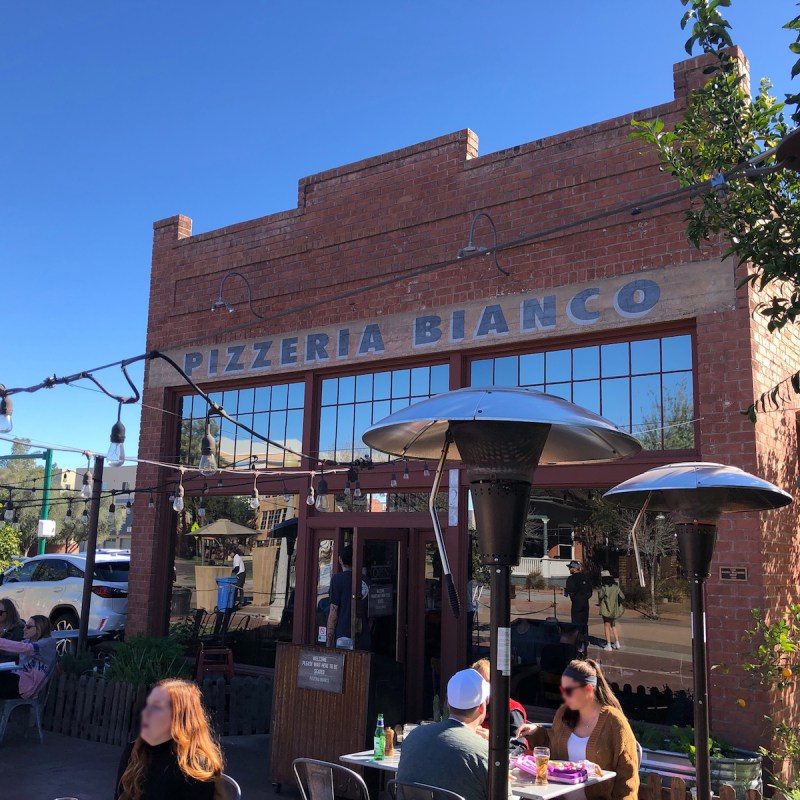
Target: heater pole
(500, 619)
(700, 675)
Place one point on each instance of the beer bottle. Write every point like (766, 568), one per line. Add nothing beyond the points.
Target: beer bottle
(379, 740)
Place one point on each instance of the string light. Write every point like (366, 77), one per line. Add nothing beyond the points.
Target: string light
(322, 503)
(357, 490)
(177, 502)
(68, 515)
(112, 511)
(116, 452)
(151, 503)
(8, 514)
(393, 481)
(255, 500)
(15, 522)
(219, 482)
(201, 510)
(85, 515)
(6, 410)
(406, 475)
(426, 470)
(208, 462)
(205, 487)
(310, 495)
(352, 477)
(286, 496)
(86, 488)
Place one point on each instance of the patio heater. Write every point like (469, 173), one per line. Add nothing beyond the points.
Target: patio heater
(500, 436)
(696, 494)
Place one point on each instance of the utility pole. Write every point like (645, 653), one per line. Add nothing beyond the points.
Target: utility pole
(91, 547)
(48, 468)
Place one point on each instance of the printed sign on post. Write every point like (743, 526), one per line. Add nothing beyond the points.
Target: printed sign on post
(46, 529)
(322, 671)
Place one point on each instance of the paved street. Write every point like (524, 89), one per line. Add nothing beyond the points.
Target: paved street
(64, 766)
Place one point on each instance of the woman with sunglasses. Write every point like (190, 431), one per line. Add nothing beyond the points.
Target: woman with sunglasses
(37, 659)
(591, 725)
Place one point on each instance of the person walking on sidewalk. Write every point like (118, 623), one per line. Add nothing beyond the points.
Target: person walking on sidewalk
(579, 590)
(609, 598)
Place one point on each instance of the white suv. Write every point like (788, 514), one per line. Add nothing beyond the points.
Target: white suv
(52, 585)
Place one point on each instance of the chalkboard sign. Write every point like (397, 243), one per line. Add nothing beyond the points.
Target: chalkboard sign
(322, 671)
(381, 600)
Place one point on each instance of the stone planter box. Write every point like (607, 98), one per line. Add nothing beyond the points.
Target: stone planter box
(742, 772)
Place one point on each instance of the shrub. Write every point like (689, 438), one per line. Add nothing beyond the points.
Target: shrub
(145, 660)
(534, 580)
(673, 590)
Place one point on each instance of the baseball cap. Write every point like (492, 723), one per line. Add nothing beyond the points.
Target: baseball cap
(573, 565)
(604, 573)
(467, 689)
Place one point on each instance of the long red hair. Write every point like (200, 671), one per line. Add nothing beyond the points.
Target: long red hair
(195, 746)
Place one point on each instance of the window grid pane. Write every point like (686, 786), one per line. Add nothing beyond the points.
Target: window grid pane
(265, 409)
(644, 386)
(351, 404)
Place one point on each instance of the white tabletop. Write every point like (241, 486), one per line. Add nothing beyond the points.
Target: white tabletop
(521, 786)
(365, 759)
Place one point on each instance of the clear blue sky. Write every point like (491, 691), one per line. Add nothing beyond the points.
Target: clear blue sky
(118, 114)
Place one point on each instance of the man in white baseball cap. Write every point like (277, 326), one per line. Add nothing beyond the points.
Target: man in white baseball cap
(452, 754)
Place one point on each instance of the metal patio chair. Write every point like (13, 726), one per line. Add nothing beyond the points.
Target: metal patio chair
(319, 780)
(419, 791)
(227, 788)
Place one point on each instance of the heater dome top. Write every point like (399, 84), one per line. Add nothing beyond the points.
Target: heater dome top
(698, 488)
(575, 434)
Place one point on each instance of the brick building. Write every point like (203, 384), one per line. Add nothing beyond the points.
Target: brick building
(363, 309)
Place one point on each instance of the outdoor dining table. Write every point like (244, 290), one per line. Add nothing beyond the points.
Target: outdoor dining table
(522, 785)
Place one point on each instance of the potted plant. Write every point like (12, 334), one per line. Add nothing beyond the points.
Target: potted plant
(670, 752)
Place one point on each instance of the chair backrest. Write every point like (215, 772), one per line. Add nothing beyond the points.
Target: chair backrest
(638, 754)
(242, 623)
(227, 788)
(321, 780)
(419, 791)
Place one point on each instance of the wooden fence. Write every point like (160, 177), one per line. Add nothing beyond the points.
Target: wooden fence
(96, 710)
(653, 789)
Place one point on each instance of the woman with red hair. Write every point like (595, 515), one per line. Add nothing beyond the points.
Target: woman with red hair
(176, 756)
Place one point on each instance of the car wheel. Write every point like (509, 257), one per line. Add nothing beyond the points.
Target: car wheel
(65, 621)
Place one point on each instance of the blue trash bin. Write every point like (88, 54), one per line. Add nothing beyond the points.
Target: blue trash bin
(226, 593)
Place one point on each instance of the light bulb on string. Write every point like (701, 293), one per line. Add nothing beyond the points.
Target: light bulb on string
(205, 487)
(86, 488)
(68, 515)
(357, 490)
(310, 495)
(393, 481)
(15, 522)
(116, 452)
(286, 496)
(6, 410)
(85, 514)
(151, 504)
(406, 475)
(8, 514)
(219, 482)
(201, 510)
(208, 462)
(426, 470)
(352, 477)
(255, 499)
(128, 505)
(323, 502)
(177, 500)
(112, 512)
(32, 490)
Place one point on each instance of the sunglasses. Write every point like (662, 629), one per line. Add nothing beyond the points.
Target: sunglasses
(567, 691)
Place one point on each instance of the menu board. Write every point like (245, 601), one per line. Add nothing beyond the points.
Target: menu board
(322, 671)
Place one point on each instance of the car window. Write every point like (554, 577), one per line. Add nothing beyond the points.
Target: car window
(73, 571)
(112, 571)
(23, 572)
(51, 569)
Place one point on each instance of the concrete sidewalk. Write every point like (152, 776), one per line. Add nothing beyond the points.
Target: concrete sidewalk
(67, 767)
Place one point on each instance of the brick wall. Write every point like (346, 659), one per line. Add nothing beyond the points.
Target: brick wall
(386, 216)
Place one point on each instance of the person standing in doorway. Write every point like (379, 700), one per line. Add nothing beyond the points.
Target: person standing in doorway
(579, 590)
(239, 571)
(339, 633)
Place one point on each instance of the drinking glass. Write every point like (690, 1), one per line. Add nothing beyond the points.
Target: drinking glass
(541, 756)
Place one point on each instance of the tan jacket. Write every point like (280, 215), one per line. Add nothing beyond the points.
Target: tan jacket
(612, 746)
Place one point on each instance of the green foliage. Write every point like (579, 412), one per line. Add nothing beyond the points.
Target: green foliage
(145, 660)
(772, 659)
(535, 580)
(9, 546)
(678, 740)
(757, 217)
(676, 432)
(673, 590)
(78, 665)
